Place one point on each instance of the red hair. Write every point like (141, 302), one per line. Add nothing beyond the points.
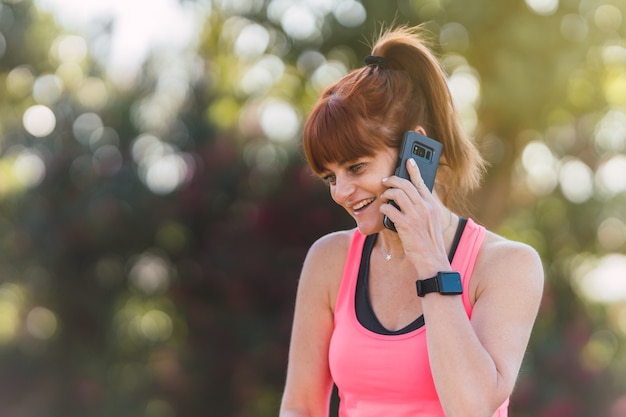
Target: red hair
(372, 107)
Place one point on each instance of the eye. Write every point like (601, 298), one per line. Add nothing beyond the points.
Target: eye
(356, 167)
(330, 179)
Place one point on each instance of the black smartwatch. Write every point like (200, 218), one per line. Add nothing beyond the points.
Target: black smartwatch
(446, 283)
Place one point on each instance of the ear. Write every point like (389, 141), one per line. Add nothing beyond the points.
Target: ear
(420, 129)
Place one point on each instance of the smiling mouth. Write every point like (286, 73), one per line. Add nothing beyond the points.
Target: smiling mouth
(362, 204)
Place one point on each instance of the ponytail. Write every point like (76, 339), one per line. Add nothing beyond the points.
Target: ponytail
(431, 106)
(402, 87)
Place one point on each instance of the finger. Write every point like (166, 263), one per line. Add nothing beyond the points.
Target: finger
(416, 177)
(402, 201)
(400, 189)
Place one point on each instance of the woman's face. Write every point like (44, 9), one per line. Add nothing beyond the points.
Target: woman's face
(357, 185)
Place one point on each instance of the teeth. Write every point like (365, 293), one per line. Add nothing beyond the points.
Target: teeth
(362, 204)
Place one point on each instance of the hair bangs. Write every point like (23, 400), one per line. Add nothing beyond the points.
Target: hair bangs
(337, 131)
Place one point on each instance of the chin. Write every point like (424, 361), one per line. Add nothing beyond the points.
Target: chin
(369, 228)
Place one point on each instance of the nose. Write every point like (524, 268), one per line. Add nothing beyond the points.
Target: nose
(343, 189)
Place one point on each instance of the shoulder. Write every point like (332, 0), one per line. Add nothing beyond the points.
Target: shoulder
(332, 245)
(507, 261)
(324, 264)
(498, 250)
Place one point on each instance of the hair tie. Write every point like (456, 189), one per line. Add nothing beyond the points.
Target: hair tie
(376, 60)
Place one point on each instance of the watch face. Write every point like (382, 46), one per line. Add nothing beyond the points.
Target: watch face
(450, 283)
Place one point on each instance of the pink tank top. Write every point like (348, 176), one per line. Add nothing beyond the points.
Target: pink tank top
(389, 375)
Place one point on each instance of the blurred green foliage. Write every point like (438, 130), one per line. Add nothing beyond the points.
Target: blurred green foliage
(151, 234)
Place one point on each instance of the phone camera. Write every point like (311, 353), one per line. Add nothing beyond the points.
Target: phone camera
(422, 152)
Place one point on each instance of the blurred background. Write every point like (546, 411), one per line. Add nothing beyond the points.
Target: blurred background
(155, 208)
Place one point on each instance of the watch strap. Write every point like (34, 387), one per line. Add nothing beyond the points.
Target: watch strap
(446, 283)
(426, 286)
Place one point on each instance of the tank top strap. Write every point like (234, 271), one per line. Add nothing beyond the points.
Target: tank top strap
(350, 273)
(466, 255)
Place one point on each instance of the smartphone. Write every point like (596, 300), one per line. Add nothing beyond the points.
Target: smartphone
(426, 152)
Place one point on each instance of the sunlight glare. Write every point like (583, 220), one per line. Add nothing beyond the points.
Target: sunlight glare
(140, 26)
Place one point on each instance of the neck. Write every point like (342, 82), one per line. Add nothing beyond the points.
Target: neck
(391, 245)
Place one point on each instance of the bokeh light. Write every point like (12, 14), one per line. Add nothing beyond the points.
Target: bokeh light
(608, 17)
(279, 120)
(69, 49)
(85, 126)
(327, 73)
(12, 299)
(612, 233)
(134, 166)
(19, 81)
(350, 13)
(574, 28)
(603, 280)
(576, 180)
(600, 350)
(29, 168)
(258, 79)
(3, 45)
(464, 86)
(543, 7)
(300, 23)
(454, 37)
(150, 274)
(611, 176)
(41, 323)
(47, 89)
(156, 325)
(541, 168)
(610, 132)
(162, 167)
(252, 41)
(92, 93)
(39, 120)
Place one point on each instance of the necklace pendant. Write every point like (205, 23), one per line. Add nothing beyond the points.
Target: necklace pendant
(388, 257)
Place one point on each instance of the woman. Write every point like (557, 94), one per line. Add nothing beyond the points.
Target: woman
(359, 321)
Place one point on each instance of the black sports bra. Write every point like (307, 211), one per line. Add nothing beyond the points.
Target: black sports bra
(364, 311)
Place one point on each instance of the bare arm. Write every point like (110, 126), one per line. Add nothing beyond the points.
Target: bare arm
(475, 363)
(308, 386)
